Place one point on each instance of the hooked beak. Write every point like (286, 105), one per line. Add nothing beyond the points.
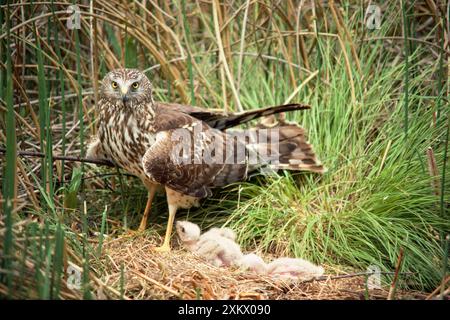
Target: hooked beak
(124, 92)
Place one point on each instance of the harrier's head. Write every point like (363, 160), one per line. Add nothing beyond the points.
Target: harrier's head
(187, 231)
(127, 87)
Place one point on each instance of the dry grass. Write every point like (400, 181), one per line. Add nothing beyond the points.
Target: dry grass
(181, 274)
(128, 269)
(233, 55)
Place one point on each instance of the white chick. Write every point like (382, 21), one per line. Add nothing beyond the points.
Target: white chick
(253, 263)
(219, 250)
(223, 232)
(212, 246)
(189, 234)
(293, 269)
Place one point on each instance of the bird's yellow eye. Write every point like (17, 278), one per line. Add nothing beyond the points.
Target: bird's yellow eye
(114, 85)
(135, 85)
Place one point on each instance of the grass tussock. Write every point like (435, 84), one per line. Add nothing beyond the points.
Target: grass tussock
(379, 122)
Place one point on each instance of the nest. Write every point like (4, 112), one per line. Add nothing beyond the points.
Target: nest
(145, 274)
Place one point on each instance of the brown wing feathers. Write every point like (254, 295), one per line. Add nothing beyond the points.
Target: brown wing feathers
(197, 179)
(165, 164)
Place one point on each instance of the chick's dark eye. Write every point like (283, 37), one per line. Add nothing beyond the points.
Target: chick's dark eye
(135, 85)
(114, 85)
(182, 229)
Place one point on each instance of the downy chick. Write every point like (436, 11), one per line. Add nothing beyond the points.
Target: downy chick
(213, 246)
(223, 232)
(189, 234)
(253, 262)
(291, 268)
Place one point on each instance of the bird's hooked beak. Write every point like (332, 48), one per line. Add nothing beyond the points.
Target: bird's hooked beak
(124, 92)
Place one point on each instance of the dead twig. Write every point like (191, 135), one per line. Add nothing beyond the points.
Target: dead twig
(438, 289)
(351, 275)
(162, 286)
(102, 162)
(393, 287)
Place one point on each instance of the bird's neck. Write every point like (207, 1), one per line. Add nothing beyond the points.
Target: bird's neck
(115, 110)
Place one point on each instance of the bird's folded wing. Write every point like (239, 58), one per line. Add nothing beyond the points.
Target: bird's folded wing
(190, 157)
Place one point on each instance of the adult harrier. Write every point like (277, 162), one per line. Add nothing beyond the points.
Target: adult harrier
(187, 149)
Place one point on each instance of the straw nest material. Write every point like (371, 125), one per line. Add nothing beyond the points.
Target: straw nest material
(144, 274)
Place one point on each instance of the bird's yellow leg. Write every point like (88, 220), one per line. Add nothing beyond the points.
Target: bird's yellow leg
(148, 208)
(166, 244)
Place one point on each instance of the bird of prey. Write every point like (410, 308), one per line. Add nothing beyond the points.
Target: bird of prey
(140, 135)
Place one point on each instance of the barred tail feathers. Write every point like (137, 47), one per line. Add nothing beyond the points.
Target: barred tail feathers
(288, 149)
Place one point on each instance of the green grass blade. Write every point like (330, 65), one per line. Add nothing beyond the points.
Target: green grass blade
(62, 87)
(406, 33)
(58, 262)
(9, 182)
(102, 232)
(187, 34)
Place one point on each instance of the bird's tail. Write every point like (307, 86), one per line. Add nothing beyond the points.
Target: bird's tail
(285, 147)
